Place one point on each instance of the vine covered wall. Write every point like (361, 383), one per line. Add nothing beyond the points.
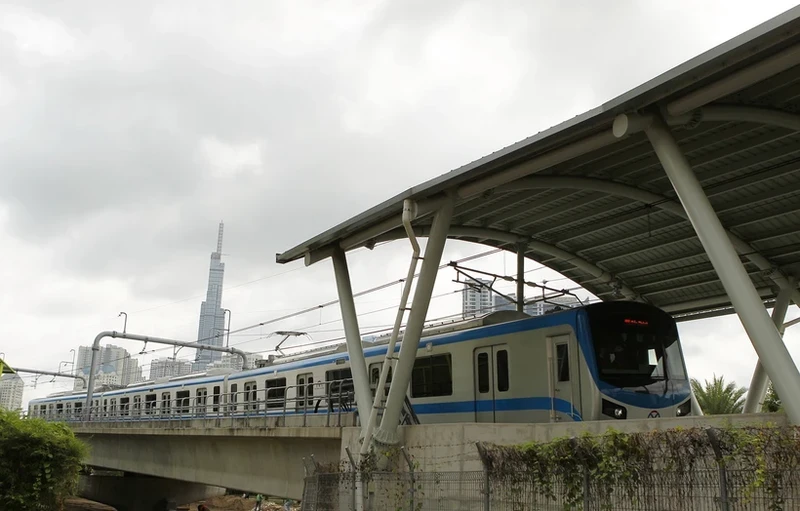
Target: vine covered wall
(623, 466)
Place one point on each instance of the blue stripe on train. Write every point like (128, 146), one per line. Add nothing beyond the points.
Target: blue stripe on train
(500, 405)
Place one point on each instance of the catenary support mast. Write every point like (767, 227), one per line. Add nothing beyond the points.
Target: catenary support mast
(146, 338)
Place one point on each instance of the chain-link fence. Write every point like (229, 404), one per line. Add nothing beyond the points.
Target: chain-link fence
(708, 490)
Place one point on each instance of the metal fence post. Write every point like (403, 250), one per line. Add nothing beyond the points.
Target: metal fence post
(355, 475)
(723, 474)
(587, 488)
(411, 472)
(486, 489)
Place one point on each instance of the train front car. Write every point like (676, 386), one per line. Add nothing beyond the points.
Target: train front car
(636, 362)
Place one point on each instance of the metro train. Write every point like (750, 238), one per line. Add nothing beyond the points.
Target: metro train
(603, 361)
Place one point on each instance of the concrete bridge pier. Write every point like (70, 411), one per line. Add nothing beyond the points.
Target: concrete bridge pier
(134, 492)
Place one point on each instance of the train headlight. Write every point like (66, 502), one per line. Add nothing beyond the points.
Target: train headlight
(614, 410)
(684, 409)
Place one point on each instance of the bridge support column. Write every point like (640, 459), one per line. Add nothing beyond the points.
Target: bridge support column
(758, 385)
(355, 349)
(386, 434)
(521, 277)
(765, 337)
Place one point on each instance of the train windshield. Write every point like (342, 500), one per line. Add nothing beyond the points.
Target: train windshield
(636, 346)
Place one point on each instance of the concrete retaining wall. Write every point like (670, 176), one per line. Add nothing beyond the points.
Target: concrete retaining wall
(451, 447)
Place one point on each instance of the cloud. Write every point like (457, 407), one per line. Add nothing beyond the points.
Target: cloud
(130, 130)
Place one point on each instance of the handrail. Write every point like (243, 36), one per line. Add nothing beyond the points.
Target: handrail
(278, 403)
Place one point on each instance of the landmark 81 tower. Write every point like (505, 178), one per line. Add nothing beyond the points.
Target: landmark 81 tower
(212, 316)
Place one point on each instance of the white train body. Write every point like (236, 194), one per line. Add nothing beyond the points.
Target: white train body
(612, 360)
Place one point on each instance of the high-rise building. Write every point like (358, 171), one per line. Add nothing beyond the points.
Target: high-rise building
(115, 366)
(11, 386)
(212, 317)
(132, 373)
(166, 367)
(476, 298)
(230, 361)
(537, 308)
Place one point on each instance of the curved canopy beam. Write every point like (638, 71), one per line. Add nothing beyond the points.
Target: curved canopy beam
(658, 201)
(515, 240)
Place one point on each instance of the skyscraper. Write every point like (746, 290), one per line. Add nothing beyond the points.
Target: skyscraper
(212, 317)
(11, 387)
(167, 368)
(114, 366)
(476, 298)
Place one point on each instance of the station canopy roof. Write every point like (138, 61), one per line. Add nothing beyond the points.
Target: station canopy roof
(600, 209)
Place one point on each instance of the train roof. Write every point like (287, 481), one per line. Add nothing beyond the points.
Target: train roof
(459, 330)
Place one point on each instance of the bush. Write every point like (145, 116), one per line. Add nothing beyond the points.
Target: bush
(39, 463)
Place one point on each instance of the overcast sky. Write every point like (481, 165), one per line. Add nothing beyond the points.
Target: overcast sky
(128, 130)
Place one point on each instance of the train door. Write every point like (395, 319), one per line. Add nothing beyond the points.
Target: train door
(563, 376)
(492, 382)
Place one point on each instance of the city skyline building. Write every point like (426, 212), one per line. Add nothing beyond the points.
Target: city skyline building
(115, 366)
(476, 298)
(11, 387)
(538, 308)
(168, 367)
(211, 328)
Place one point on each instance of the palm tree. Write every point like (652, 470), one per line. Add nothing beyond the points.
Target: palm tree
(772, 403)
(717, 397)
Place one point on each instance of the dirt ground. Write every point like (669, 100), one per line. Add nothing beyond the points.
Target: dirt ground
(237, 503)
(76, 504)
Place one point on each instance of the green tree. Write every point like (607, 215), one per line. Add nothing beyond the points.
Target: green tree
(718, 397)
(772, 403)
(39, 463)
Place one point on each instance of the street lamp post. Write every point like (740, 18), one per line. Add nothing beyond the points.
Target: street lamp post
(73, 360)
(124, 325)
(228, 340)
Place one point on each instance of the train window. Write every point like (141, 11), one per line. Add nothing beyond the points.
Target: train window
(562, 362)
(341, 381)
(216, 398)
(375, 376)
(69, 409)
(165, 403)
(276, 392)
(78, 408)
(137, 405)
(483, 373)
(150, 403)
(112, 407)
(182, 401)
(124, 405)
(305, 390)
(432, 376)
(502, 370)
(59, 408)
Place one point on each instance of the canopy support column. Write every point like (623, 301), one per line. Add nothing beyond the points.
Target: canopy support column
(758, 385)
(386, 434)
(746, 301)
(521, 277)
(355, 350)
